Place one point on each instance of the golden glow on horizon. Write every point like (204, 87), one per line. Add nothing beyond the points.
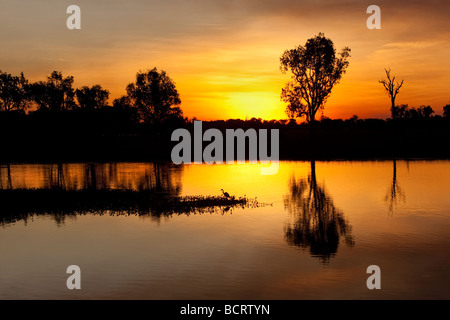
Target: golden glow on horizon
(224, 58)
(221, 84)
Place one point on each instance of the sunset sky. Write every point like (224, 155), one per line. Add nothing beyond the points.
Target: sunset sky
(224, 54)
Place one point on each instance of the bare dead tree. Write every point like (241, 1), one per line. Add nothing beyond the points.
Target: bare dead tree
(392, 89)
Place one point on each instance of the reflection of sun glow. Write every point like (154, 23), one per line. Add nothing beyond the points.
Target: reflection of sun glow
(201, 179)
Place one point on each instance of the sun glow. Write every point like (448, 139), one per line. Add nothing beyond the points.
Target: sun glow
(224, 59)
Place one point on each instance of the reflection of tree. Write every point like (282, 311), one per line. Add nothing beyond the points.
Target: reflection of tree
(56, 179)
(8, 183)
(395, 193)
(22, 204)
(319, 224)
(68, 189)
(160, 177)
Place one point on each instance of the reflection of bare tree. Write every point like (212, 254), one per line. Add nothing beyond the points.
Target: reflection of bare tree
(319, 224)
(395, 193)
(9, 177)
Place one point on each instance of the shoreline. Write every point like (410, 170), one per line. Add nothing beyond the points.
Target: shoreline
(354, 159)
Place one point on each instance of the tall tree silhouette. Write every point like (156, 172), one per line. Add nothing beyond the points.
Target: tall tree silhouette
(319, 224)
(315, 70)
(92, 97)
(55, 94)
(155, 96)
(13, 92)
(392, 88)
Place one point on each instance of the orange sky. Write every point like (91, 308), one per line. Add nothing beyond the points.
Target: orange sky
(224, 55)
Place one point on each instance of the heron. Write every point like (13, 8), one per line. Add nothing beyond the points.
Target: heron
(226, 194)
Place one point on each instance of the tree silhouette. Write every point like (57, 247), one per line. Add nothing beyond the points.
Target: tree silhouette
(319, 224)
(93, 97)
(425, 111)
(13, 92)
(123, 109)
(155, 97)
(55, 94)
(446, 111)
(403, 111)
(392, 89)
(122, 103)
(315, 70)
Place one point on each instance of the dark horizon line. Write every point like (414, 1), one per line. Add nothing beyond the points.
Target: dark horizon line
(354, 117)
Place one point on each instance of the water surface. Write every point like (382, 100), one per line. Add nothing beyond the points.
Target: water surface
(324, 224)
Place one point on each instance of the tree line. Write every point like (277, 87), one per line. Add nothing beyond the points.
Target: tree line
(316, 68)
(152, 98)
(403, 111)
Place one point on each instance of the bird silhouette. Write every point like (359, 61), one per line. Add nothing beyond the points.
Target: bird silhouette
(226, 194)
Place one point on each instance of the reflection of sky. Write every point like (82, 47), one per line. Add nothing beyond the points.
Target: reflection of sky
(347, 182)
(224, 55)
(244, 255)
(131, 176)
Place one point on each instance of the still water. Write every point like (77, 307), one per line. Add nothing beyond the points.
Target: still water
(322, 225)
